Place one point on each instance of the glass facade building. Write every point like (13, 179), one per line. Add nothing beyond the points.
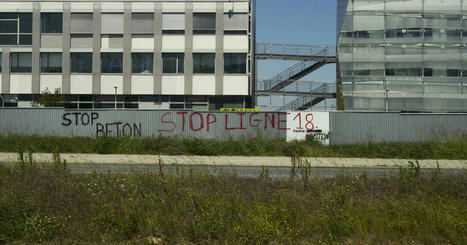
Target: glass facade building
(403, 55)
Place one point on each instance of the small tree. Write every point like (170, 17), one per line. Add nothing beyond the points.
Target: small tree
(49, 99)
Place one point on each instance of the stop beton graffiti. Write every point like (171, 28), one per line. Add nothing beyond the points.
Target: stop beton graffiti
(172, 122)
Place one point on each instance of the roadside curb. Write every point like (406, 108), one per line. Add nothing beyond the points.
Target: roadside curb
(241, 161)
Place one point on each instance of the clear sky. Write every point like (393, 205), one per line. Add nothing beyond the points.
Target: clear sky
(296, 21)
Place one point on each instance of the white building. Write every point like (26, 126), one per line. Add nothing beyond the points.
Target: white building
(192, 54)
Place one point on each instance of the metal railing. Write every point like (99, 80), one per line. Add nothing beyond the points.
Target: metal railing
(287, 74)
(323, 91)
(294, 50)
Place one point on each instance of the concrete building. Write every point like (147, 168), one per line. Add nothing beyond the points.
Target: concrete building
(192, 54)
(403, 55)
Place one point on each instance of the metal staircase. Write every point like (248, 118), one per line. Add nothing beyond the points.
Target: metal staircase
(292, 74)
(310, 57)
(322, 92)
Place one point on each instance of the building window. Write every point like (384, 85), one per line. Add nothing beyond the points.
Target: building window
(204, 23)
(453, 73)
(51, 23)
(141, 63)
(112, 24)
(173, 23)
(1, 62)
(20, 62)
(235, 63)
(173, 62)
(15, 29)
(51, 62)
(142, 23)
(81, 23)
(235, 23)
(204, 63)
(81, 62)
(112, 62)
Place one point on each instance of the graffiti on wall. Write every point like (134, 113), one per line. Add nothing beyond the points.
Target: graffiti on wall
(295, 124)
(118, 128)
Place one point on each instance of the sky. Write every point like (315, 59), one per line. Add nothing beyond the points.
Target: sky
(297, 22)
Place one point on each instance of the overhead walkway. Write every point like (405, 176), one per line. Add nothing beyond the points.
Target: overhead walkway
(281, 51)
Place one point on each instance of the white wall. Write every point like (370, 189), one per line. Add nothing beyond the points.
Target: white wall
(142, 43)
(235, 85)
(173, 85)
(204, 7)
(204, 43)
(20, 84)
(81, 84)
(50, 82)
(236, 44)
(204, 85)
(142, 84)
(109, 81)
(173, 7)
(173, 43)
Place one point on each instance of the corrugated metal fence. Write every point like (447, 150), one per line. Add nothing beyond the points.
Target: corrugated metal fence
(345, 127)
(361, 127)
(141, 123)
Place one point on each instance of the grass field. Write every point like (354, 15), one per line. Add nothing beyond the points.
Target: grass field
(453, 149)
(173, 207)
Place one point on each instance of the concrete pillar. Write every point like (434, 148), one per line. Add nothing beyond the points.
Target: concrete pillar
(219, 63)
(188, 49)
(157, 61)
(66, 48)
(5, 89)
(96, 52)
(36, 45)
(127, 48)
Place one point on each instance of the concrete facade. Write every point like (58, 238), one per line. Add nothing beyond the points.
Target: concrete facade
(129, 44)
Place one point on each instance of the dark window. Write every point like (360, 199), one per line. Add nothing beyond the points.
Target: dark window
(8, 39)
(8, 26)
(13, 24)
(428, 72)
(362, 34)
(141, 63)
(51, 62)
(51, 23)
(453, 33)
(203, 63)
(453, 73)
(112, 62)
(0, 62)
(25, 23)
(25, 39)
(173, 62)
(204, 23)
(390, 72)
(235, 63)
(81, 62)
(20, 62)
(428, 32)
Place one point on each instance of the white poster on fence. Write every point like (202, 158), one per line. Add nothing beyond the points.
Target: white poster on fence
(304, 124)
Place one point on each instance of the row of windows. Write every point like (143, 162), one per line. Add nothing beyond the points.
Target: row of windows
(409, 72)
(141, 63)
(404, 33)
(16, 28)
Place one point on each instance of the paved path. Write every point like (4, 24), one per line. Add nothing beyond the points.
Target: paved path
(238, 161)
